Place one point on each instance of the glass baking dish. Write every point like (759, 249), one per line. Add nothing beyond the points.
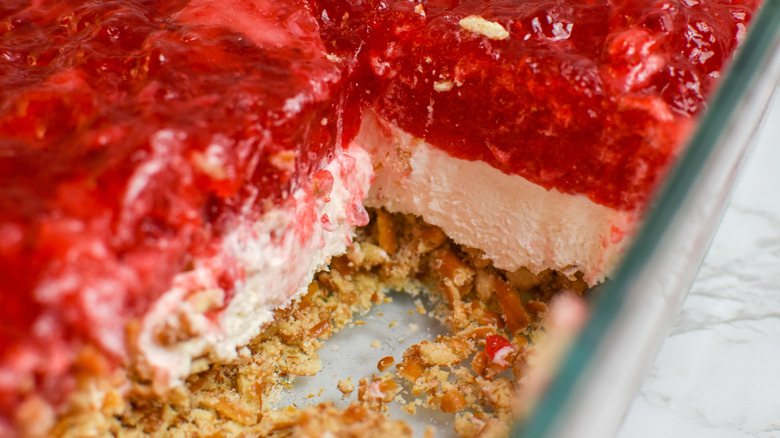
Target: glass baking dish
(630, 314)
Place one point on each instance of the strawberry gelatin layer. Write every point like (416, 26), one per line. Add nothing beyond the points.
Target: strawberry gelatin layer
(163, 166)
(535, 131)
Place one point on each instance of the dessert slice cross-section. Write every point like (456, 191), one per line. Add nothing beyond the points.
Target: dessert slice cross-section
(537, 132)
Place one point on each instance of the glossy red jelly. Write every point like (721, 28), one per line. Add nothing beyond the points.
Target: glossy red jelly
(590, 97)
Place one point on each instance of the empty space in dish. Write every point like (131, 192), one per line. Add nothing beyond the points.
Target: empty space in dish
(388, 329)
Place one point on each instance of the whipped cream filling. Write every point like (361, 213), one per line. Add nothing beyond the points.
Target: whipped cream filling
(515, 222)
(278, 255)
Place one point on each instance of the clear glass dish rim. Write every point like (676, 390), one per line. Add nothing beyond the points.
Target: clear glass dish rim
(610, 301)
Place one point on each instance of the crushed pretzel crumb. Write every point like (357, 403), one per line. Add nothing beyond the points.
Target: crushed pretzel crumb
(346, 386)
(441, 86)
(490, 29)
(453, 373)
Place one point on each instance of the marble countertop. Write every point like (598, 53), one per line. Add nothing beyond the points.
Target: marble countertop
(717, 374)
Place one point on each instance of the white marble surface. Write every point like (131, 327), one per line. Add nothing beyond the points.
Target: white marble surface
(718, 372)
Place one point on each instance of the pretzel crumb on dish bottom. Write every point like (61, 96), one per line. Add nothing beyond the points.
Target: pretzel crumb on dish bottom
(494, 319)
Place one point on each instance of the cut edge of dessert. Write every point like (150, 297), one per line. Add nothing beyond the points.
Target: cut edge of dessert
(517, 223)
(279, 253)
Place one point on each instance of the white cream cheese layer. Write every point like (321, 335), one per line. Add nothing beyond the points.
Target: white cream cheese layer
(515, 222)
(278, 254)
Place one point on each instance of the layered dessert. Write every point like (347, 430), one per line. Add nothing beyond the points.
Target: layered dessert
(172, 173)
(538, 131)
